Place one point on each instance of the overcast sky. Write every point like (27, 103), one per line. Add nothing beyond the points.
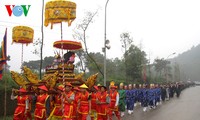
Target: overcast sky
(159, 27)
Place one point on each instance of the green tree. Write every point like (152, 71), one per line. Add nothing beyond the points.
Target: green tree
(135, 60)
(115, 70)
(6, 84)
(168, 74)
(48, 61)
(115, 67)
(161, 68)
(34, 64)
(91, 66)
(10, 83)
(126, 41)
(176, 72)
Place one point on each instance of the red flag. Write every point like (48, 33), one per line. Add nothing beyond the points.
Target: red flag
(3, 53)
(144, 73)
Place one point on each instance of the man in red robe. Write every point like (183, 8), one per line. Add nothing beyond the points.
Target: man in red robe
(42, 106)
(93, 114)
(22, 104)
(76, 91)
(56, 113)
(84, 103)
(69, 98)
(114, 101)
(102, 104)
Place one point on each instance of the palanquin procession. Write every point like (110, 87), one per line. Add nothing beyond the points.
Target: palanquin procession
(67, 102)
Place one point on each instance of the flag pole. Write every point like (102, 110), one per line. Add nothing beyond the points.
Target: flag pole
(3, 66)
(5, 97)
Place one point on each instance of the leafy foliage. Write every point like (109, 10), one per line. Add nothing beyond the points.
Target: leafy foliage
(160, 64)
(161, 67)
(9, 81)
(135, 60)
(35, 64)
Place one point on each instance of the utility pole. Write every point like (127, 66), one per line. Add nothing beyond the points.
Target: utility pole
(166, 71)
(149, 67)
(105, 45)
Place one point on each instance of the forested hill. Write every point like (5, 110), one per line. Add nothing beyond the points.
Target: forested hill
(189, 63)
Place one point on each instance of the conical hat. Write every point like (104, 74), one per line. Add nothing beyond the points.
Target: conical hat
(121, 84)
(22, 90)
(83, 86)
(99, 86)
(61, 87)
(151, 85)
(68, 84)
(43, 87)
(112, 85)
(76, 88)
(96, 87)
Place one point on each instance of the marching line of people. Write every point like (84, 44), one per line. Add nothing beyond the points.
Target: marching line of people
(148, 96)
(100, 103)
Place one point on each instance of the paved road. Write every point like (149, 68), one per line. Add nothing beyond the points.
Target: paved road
(187, 107)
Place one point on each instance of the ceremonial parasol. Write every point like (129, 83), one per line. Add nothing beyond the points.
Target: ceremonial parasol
(59, 11)
(67, 45)
(22, 35)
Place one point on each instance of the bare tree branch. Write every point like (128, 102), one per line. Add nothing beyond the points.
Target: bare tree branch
(83, 26)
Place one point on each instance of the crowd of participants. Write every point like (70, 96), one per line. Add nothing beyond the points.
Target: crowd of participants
(148, 96)
(99, 103)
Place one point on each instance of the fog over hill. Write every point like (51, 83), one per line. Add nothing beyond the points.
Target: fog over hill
(189, 64)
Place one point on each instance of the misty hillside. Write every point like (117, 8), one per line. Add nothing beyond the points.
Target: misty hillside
(189, 64)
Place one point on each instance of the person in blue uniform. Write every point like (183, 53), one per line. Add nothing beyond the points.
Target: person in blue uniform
(152, 96)
(139, 94)
(144, 97)
(134, 94)
(129, 99)
(158, 94)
